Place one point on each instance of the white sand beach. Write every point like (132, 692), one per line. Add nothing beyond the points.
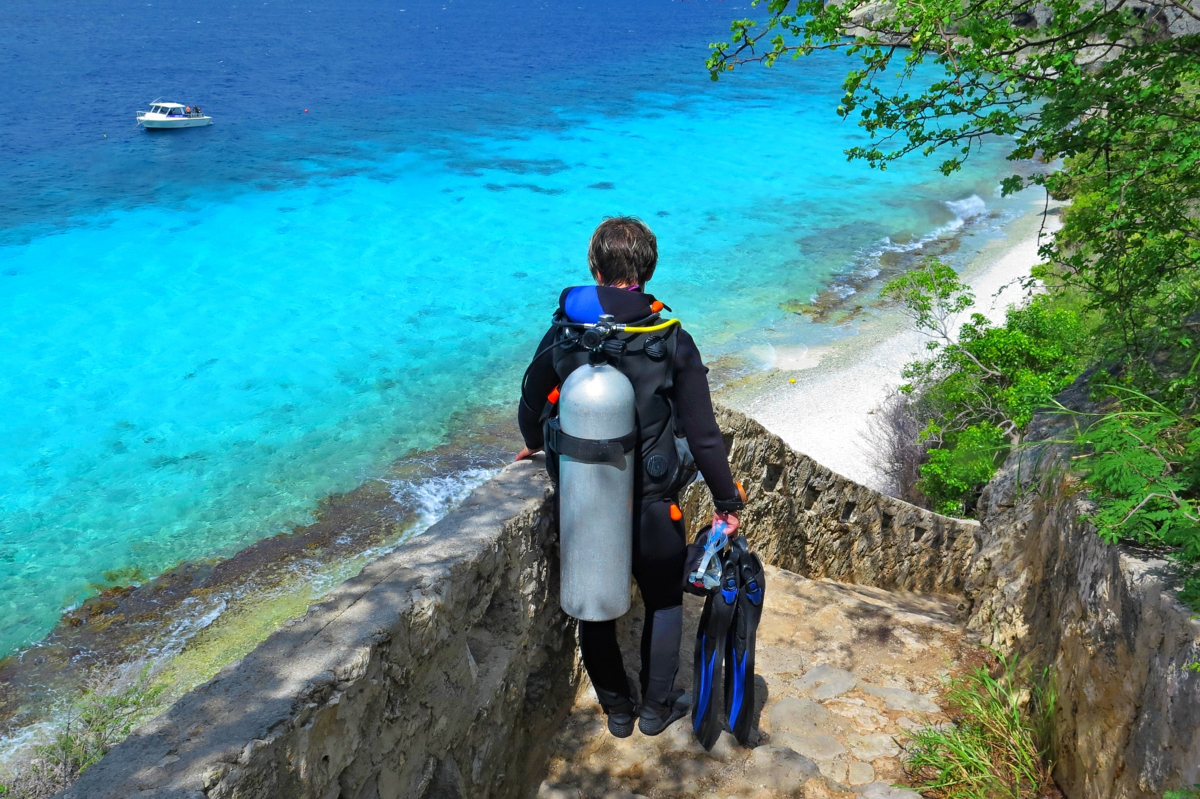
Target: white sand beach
(826, 413)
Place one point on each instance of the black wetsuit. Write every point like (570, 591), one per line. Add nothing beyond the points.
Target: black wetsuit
(659, 543)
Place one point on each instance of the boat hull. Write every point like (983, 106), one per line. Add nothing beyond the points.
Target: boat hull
(167, 124)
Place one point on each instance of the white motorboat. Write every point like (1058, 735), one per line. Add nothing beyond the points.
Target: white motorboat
(172, 115)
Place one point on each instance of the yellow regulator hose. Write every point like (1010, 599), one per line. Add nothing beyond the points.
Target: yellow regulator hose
(652, 329)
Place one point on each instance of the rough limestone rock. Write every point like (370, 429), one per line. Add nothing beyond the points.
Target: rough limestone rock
(860, 773)
(798, 716)
(550, 790)
(835, 772)
(872, 746)
(680, 738)
(1106, 621)
(883, 790)
(780, 769)
(818, 746)
(725, 749)
(826, 682)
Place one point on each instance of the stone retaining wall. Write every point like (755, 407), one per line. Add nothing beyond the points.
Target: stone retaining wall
(802, 517)
(1105, 621)
(439, 671)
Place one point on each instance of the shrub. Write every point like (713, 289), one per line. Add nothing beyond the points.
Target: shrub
(1141, 459)
(954, 473)
(894, 445)
(980, 387)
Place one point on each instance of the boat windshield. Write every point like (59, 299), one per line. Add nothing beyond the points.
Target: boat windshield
(156, 109)
(175, 112)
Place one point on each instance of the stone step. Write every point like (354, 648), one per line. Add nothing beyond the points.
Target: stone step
(844, 672)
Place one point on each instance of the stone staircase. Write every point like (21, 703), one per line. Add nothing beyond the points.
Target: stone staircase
(843, 672)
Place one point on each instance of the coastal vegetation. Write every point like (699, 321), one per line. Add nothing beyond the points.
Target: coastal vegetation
(1102, 100)
(998, 744)
(94, 724)
(976, 393)
(1184, 793)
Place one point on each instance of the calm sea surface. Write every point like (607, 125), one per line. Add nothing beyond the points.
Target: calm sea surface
(203, 332)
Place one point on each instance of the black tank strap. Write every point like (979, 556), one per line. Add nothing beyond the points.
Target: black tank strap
(588, 450)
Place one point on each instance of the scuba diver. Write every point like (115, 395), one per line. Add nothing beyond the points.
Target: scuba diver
(675, 434)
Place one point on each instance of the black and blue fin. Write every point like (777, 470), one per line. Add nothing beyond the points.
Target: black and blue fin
(739, 647)
(708, 717)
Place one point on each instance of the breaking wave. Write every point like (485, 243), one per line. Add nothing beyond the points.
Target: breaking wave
(866, 264)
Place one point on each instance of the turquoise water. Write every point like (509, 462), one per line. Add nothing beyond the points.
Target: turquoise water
(182, 378)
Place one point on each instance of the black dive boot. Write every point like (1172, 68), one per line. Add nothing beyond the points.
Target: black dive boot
(654, 718)
(621, 711)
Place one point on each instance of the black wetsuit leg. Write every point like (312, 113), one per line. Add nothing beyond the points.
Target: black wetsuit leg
(659, 550)
(602, 660)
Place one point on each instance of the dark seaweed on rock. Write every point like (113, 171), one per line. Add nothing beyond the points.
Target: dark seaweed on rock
(121, 624)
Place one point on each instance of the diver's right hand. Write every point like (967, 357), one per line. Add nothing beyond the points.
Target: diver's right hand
(526, 453)
(730, 520)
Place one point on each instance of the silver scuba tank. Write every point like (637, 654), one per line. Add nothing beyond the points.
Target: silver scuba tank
(595, 484)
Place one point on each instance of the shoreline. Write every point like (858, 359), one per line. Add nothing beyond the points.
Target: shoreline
(826, 413)
(201, 615)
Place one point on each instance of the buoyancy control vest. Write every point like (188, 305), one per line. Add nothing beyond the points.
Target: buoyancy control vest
(663, 463)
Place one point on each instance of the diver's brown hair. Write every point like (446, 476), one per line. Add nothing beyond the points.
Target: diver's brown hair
(623, 250)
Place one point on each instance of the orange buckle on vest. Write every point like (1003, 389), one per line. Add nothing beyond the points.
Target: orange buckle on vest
(676, 513)
(657, 306)
(553, 396)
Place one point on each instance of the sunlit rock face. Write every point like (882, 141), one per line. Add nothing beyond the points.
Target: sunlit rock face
(1103, 619)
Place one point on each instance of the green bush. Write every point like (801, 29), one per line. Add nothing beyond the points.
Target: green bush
(980, 386)
(1141, 460)
(965, 461)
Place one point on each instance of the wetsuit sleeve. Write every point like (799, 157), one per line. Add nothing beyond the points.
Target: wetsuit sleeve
(693, 403)
(540, 380)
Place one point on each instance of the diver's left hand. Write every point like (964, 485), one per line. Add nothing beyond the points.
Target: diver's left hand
(730, 520)
(526, 453)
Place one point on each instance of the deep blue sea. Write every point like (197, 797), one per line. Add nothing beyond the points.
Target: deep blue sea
(203, 332)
